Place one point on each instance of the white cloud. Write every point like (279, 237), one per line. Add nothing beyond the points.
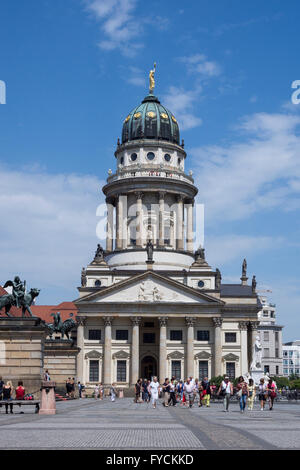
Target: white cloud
(260, 172)
(49, 229)
(118, 24)
(181, 103)
(199, 64)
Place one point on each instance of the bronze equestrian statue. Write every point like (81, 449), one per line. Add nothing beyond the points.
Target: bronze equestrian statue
(19, 298)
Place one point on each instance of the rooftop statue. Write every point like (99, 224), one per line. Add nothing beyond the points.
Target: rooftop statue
(18, 298)
(151, 79)
(244, 268)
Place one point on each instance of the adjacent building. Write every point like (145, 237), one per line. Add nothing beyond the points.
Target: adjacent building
(291, 358)
(270, 338)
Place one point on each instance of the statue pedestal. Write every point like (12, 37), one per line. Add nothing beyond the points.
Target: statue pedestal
(256, 375)
(48, 404)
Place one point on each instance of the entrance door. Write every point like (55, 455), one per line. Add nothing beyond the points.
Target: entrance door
(148, 367)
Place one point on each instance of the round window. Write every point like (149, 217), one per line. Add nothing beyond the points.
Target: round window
(150, 156)
(97, 283)
(200, 284)
(133, 157)
(122, 160)
(167, 157)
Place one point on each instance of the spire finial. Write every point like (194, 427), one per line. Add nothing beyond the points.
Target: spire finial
(151, 79)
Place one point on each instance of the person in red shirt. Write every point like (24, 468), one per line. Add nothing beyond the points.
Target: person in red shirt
(20, 391)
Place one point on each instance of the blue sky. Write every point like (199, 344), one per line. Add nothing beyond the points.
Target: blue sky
(74, 69)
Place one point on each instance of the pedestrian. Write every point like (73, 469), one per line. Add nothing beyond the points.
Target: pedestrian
(20, 391)
(166, 391)
(96, 392)
(101, 391)
(68, 387)
(180, 390)
(137, 390)
(206, 388)
(226, 390)
(1, 390)
(271, 390)
(73, 388)
(79, 389)
(7, 394)
(113, 392)
(189, 388)
(251, 394)
(172, 393)
(154, 388)
(242, 392)
(262, 392)
(47, 376)
(145, 390)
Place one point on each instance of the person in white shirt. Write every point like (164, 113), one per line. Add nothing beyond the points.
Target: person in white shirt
(226, 389)
(154, 388)
(188, 389)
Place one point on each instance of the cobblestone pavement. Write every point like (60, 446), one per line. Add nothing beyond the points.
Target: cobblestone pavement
(90, 424)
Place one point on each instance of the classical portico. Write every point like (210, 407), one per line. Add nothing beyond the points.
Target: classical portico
(149, 303)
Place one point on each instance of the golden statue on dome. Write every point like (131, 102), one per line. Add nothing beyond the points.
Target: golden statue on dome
(151, 79)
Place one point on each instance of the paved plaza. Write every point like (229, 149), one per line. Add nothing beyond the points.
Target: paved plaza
(90, 424)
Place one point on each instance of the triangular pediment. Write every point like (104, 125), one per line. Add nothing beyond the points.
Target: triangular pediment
(149, 287)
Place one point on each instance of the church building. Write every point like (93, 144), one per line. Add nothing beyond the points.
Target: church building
(149, 304)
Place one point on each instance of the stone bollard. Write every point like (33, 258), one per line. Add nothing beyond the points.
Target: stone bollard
(48, 404)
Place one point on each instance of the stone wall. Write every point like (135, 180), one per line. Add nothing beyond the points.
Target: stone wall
(60, 360)
(21, 352)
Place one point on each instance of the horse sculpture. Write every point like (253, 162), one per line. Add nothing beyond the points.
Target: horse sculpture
(58, 326)
(8, 300)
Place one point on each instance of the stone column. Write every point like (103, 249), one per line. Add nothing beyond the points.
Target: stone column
(139, 216)
(172, 229)
(218, 345)
(179, 235)
(110, 225)
(162, 348)
(161, 232)
(243, 326)
(135, 343)
(124, 222)
(190, 322)
(107, 351)
(119, 235)
(189, 227)
(80, 343)
(253, 325)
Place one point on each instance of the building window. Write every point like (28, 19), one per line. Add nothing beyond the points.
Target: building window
(150, 156)
(95, 335)
(167, 157)
(230, 370)
(276, 352)
(201, 284)
(266, 352)
(230, 337)
(266, 369)
(266, 336)
(149, 338)
(176, 335)
(277, 370)
(276, 336)
(286, 371)
(176, 369)
(203, 369)
(97, 283)
(202, 335)
(133, 157)
(122, 335)
(266, 313)
(94, 371)
(121, 370)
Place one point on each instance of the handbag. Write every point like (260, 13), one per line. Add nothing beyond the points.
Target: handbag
(239, 393)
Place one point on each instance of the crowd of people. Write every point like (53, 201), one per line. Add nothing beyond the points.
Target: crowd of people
(191, 391)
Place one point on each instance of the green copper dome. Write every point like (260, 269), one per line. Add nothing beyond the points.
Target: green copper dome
(150, 120)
